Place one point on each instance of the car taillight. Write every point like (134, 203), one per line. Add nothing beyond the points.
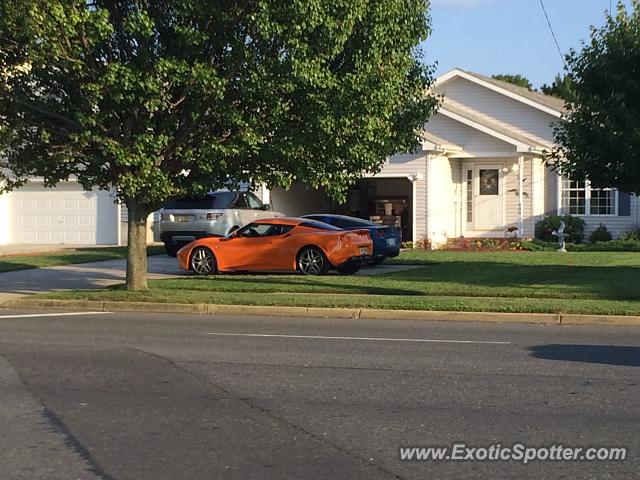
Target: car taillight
(213, 216)
(380, 232)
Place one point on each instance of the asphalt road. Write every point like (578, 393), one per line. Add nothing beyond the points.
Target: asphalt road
(133, 396)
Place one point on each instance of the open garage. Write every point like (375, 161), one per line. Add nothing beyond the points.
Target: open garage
(389, 201)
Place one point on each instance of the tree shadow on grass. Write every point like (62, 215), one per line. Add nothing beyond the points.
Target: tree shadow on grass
(269, 283)
(603, 354)
(563, 281)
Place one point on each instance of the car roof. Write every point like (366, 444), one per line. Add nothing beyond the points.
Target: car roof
(282, 220)
(344, 217)
(332, 215)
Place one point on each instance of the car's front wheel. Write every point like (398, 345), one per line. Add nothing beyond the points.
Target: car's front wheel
(203, 262)
(311, 261)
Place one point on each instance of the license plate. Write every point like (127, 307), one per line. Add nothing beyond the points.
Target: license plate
(363, 250)
(391, 242)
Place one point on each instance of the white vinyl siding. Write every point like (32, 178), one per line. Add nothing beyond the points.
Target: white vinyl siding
(500, 107)
(470, 139)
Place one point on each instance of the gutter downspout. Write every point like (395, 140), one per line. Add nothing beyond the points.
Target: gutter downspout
(521, 195)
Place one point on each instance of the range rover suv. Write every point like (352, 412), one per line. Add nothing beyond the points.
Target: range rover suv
(215, 215)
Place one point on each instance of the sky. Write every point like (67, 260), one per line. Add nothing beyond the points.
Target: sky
(509, 36)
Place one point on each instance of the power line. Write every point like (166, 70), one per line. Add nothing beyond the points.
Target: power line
(553, 35)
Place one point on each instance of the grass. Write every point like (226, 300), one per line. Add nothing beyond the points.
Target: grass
(11, 263)
(546, 282)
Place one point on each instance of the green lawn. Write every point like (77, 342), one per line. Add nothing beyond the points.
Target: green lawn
(66, 257)
(596, 282)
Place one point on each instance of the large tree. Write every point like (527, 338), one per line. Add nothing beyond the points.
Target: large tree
(599, 137)
(164, 98)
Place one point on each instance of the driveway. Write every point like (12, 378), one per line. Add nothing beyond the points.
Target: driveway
(95, 275)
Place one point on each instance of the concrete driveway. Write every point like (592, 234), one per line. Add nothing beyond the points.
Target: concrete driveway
(95, 275)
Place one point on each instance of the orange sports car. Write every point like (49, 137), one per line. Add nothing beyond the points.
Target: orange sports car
(279, 245)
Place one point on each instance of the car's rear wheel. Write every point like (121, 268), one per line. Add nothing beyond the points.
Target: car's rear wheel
(171, 249)
(311, 261)
(349, 269)
(202, 261)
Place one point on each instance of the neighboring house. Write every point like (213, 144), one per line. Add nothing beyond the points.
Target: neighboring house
(479, 174)
(65, 214)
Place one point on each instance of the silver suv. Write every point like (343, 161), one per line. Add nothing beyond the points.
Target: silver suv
(217, 214)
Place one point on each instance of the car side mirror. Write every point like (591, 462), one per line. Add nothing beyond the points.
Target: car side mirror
(266, 206)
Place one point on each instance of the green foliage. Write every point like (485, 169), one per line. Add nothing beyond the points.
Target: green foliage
(610, 246)
(598, 139)
(162, 99)
(633, 235)
(600, 234)
(561, 87)
(516, 79)
(573, 230)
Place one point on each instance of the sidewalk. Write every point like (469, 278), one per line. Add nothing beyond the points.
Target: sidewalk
(96, 275)
(79, 276)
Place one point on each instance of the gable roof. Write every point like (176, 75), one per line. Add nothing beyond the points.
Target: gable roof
(492, 126)
(547, 103)
(546, 100)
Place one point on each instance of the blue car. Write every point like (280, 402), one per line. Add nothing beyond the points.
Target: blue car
(386, 239)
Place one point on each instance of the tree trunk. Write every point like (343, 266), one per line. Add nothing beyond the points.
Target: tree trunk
(137, 246)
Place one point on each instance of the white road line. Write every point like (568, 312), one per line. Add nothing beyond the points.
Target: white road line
(66, 314)
(373, 339)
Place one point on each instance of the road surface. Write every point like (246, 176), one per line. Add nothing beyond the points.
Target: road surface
(142, 396)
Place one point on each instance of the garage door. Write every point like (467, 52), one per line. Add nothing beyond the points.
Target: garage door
(64, 214)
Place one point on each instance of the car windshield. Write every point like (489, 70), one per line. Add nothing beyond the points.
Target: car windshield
(214, 200)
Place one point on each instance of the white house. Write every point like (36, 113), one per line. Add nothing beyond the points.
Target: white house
(480, 173)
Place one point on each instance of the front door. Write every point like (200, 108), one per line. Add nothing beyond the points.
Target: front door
(484, 197)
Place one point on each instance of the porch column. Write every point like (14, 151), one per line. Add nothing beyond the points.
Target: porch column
(521, 196)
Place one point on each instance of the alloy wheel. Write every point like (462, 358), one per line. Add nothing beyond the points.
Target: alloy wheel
(202, 261)
(311, 262)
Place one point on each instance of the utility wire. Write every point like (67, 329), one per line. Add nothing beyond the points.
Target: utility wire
(553, 34)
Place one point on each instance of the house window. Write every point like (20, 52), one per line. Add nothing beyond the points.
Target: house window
(469, 195)
(573, 197)
(578, 198)
(602, 202)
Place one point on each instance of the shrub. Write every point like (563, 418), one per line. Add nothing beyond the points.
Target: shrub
(574, 228)
(423, 244)
(633, 235)
(407, 245)
(600, 234)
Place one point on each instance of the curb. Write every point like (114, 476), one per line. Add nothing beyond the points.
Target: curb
(351, 313)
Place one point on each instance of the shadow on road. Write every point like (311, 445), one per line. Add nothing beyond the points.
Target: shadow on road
(605, 354)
